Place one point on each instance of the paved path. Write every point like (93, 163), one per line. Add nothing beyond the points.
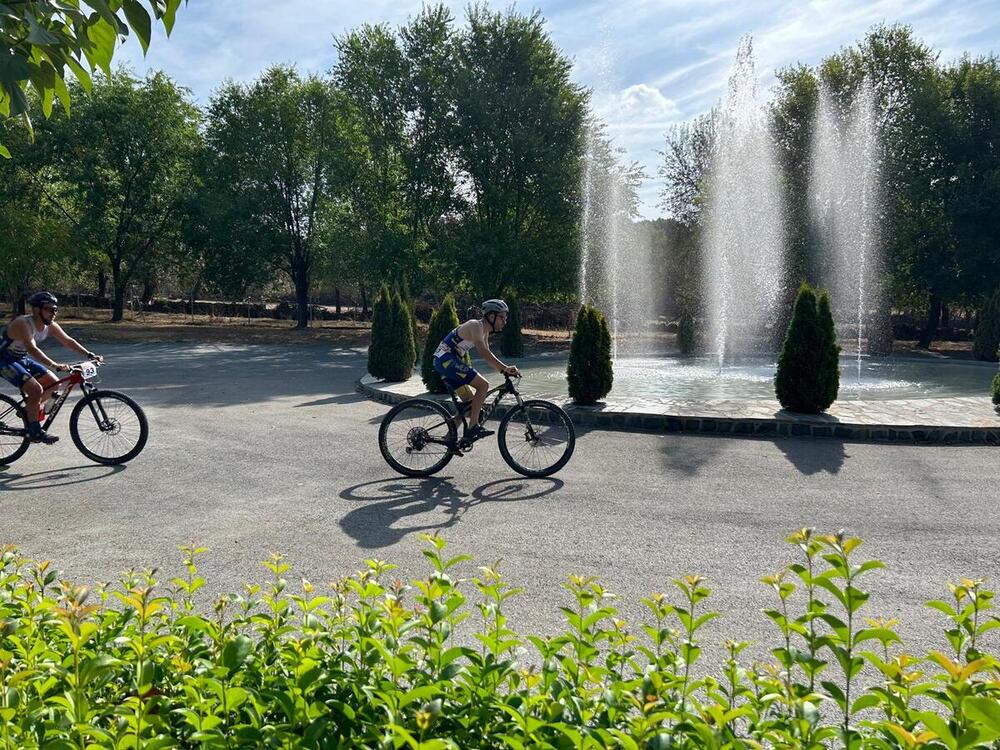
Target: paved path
(262, 448)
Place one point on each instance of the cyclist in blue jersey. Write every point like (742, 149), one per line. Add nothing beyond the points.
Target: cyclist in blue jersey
(25, 366)
(449, 358)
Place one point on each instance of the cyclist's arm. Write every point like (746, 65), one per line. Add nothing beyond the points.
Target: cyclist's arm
(484, 351)
(69, 342)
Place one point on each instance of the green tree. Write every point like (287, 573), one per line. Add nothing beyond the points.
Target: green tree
(808, 374)
(403, 351)
(517, 147)
(590, 370)
(984, 346)
(443, 320)
(39, 39)
(381, 342)
(285, 151)
(119, 170)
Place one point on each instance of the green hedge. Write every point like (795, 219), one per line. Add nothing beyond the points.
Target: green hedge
(370, 662)
(590, 371)
(443, 320)
(987, 340)
(392, 351)
(808, 376)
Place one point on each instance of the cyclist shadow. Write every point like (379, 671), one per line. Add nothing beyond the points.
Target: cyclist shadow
(381, 523)
(40, 480)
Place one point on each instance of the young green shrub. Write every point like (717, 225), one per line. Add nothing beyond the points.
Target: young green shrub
(371, 661)
(444, 319)
(985, 344)
(410, 302)
(511, 340)
(590, 371)
(996, 389)
(380, 345)
(808, 374)
(401, 350)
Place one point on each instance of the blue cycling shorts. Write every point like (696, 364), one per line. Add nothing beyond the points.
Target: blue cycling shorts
(454, 370)
(18, 369)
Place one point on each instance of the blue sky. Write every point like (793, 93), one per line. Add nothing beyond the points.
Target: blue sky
(650, 63)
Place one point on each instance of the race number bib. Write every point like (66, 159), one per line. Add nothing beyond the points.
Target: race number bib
(88, 370)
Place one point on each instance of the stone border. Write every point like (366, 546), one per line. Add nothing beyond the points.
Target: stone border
(600, 418)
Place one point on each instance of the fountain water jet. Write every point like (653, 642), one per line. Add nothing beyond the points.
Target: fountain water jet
(745, 237)
(845, 208)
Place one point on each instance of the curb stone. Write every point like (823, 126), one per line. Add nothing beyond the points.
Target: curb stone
(595, 417)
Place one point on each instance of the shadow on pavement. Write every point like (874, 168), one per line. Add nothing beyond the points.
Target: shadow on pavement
(40, 480)
(390, 501)
(814, 456)
(162, 374)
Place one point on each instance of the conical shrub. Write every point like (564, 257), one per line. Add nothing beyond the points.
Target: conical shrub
(381, 333)
(984, 346)
(410, 301)
(401, 352)
(996, 387)
(444, 319)
(511, 340)
(808, 375)
(590, 371)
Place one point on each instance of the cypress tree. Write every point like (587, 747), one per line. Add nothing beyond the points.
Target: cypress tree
(590, 371)
(381, 333)
(808, 375)
(996, 387)
(410, 301)
(511, 340)
(444, 319)
(401, 352)
(984, 346)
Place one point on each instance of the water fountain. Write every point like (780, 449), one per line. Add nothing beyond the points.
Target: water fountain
(744, 238)
(615, 272)
(845, 210)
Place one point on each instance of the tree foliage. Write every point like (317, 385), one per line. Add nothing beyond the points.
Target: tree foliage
(984, 346)
(590, 371)
(39, 39)
(808, 374)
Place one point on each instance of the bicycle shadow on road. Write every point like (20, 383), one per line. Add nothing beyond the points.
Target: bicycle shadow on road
(40, 480)
(390, 501)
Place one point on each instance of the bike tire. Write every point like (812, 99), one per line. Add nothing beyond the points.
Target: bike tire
(129, 406)
(434, 410)
(10, 448)
(555, 416)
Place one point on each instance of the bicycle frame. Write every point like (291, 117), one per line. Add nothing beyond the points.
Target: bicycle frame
(75, 378)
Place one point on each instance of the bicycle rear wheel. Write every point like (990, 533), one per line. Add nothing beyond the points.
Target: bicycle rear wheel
(13, 431)
(416, 437)
(108, 427)
(536, 438)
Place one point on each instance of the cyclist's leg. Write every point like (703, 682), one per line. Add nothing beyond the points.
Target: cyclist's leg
(482, 387)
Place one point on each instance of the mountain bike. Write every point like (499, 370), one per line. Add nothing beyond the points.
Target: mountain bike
(418, 437)
(106, 426)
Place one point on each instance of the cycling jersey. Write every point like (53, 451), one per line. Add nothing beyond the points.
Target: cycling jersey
(450, 360)
(16, 367)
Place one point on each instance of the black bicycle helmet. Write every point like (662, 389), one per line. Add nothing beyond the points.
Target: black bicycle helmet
(40, 299)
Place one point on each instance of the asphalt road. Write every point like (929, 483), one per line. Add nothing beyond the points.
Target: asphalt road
(258, 449)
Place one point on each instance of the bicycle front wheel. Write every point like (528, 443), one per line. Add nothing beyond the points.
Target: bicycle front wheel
(13, 431)
(536, 438)
(108, 427)
(416, 437)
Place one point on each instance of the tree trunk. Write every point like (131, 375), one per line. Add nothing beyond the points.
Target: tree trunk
(336, 297)
(364, 302)
(194, 295)
(102, 285)
(300, 275)
(933, 317)
(118, 307)
(148, 289)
